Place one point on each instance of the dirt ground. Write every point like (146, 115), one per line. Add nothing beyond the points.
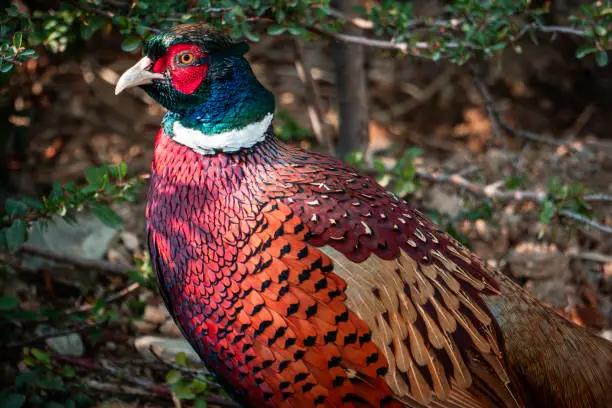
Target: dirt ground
(76, 121)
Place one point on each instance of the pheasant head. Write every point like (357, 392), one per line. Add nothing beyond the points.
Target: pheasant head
(213, 98)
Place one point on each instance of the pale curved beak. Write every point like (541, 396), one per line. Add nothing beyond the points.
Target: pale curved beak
(138, 74)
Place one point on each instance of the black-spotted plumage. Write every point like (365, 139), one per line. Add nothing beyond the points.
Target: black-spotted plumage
(301, 282)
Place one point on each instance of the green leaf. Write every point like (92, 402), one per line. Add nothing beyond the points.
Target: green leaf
(8, 303)
(15, 208)
(251, 36)
(41, 355)
(89, 189)
(276, 29)
(413, 153)
(69, 371)
(181, 359)
(27, 54)
(119, 171)
(52, 383)
(33, 202)
(602, 58)
(173, 376)
(93, 25)
(198, 386)
(24, 380)
(108, 216)
(123, 168)
(57, 193)
(15, 235)
(514, 182)
(15, 400)
(95, 175)
(131, 43)
(585, 50)
(200, 403)
(297, 31)
(120, 20)
(600, 30)
(17, 39)
(547, 212)
(182, 391)
(6, 67)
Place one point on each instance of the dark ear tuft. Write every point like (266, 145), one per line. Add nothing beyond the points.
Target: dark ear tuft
(239, 48)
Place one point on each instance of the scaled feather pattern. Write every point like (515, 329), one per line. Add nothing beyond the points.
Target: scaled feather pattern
(290, 271)
(301, 282)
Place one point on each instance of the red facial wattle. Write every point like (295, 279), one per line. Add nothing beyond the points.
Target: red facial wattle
(185, 78)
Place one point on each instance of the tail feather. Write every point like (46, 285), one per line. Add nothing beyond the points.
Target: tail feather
(557, 363)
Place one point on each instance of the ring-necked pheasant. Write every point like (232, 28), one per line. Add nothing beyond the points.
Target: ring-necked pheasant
(301, 282)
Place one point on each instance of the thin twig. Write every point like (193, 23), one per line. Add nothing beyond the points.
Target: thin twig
(494, 192)
(557, 29)
(109, 15)
(497, 122)
(597, 197)
(424, 95)
(492, 111)
(56, 333)
(103, 266)
(193, 373)
(586, 220)
(453, 23)
(359, 22)
(404, 47)
(113, 297)
(485, 191)
(114, 389)
(592, 256)
(368, 42)
(579, 123)
(158, 389)
(315, 110)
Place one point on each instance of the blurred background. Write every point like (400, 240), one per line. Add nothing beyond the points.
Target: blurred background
(491, 117)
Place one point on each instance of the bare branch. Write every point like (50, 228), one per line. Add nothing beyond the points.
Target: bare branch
(359, 22)
(485, 191)
(586, 220)
(557, 29)
(102, 266)
(114, 388)
(185, 370)
(56, 333)
(157, 389)
(592, 256)
(404, 46)
(497, 122)
(359, 40)
(315, 110)
(493, 191)
(598, 197)
(113, 297)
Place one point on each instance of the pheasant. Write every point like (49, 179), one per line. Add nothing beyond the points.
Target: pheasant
(301, 282)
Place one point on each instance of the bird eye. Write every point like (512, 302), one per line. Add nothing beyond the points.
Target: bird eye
(186, 58)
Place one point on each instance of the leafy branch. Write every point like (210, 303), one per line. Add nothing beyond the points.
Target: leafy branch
(463, 30)
(106, 184)
(567, 200)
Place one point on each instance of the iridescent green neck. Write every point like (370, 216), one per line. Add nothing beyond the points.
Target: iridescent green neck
(229, 104)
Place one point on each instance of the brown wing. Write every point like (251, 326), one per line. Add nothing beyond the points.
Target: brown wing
(305, 340)
(417, 289)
